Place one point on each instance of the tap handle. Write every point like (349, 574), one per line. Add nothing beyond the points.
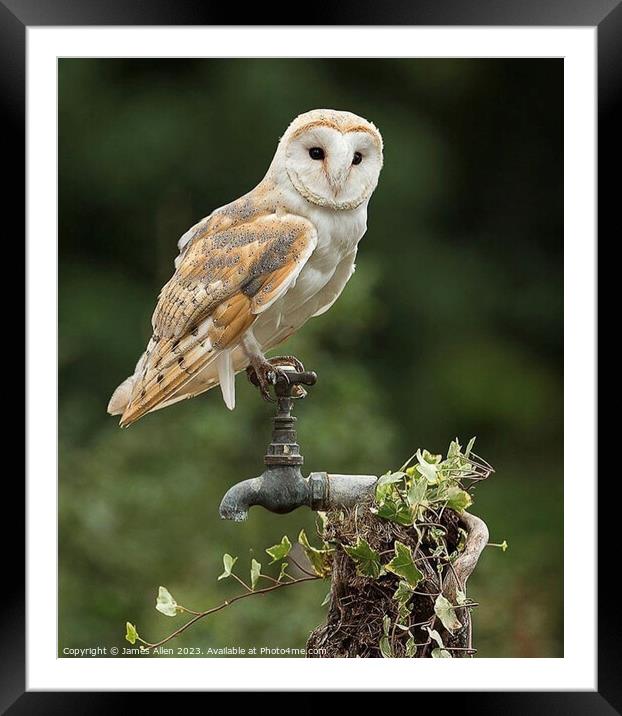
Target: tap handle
(288, 380)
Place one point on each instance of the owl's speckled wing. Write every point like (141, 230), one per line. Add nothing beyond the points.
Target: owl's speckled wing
(225, 278)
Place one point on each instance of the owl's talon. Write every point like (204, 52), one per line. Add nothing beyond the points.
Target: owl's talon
(262, 375)
(266, 374)
(271, 377)
(287, 362)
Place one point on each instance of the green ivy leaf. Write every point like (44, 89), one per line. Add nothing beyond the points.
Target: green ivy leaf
(384, 486)
(455, 449)
(403, 592)
(394, 511)
(165, 603)
(385, 648)
(281, 550)
(416, 496)
(319, 558)
(255, 572)
(367, 560)
(131, 634)
(417, 491)
(430, 458)
(385, 644)
(444, 610)
(403, 612)
(284, 566)
(323, 518)
(411, 647)
(458, 499)
(461, 597)
(435, 636)
(439, 652)
(390, 478)
(462, 539)
(437, 535)
(428, 466)
(403, 565)
(404, 467)
(228, 562)
(386, 624)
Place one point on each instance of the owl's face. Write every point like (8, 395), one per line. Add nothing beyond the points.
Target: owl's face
(332, 158)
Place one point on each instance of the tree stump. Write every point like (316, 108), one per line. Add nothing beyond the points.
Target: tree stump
(364, 618)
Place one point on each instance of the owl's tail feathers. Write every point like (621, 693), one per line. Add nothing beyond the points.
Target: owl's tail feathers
(221, 370)
(226, 378)
(166, 373)
(173, 368)
(121, 397)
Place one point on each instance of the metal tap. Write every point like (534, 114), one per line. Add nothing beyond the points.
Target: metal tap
(281, 487)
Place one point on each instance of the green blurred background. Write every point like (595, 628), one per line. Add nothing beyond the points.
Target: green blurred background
(451, 326)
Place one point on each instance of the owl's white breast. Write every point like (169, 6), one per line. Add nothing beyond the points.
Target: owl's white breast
(324, 275)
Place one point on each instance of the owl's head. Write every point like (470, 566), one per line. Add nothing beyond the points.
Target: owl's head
(332, 158)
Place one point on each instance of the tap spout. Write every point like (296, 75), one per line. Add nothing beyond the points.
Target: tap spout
(280, 489)
(283, 489)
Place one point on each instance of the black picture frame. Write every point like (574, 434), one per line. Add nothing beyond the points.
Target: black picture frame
(17, 15)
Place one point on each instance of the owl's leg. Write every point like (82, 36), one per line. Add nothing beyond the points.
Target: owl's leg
(261, 372)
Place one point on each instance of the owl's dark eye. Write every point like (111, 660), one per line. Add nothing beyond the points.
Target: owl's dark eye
(357, 158)
(316, 153)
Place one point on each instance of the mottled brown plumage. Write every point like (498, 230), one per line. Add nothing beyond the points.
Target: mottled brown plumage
(225, 280)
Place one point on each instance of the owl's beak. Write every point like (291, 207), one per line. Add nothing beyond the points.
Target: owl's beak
(338, 180)
(339, 168)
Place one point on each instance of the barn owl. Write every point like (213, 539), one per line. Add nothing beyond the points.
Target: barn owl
(254, 271)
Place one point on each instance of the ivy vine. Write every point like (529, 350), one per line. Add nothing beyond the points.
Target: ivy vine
(414, 499)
